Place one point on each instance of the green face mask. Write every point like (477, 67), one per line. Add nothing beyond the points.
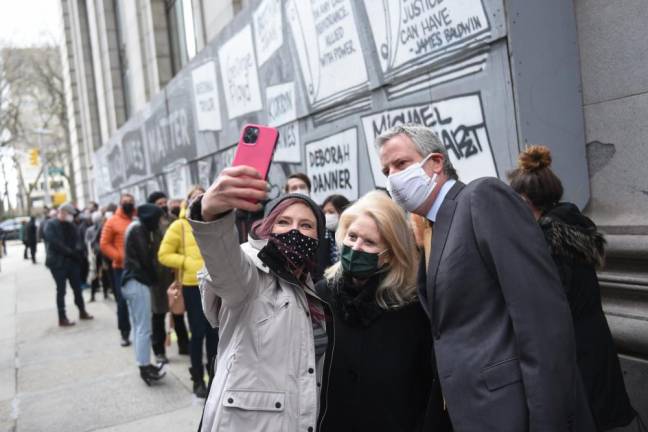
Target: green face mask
(358, 263)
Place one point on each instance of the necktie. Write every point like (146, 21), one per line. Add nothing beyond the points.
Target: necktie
(427, 242)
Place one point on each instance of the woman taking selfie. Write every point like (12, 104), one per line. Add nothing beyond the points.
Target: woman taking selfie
(382, 378)
(271, 324)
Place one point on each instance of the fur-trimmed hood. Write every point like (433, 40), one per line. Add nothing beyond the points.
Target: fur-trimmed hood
(572, 235)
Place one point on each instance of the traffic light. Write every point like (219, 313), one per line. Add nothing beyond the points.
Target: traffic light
(34, 159)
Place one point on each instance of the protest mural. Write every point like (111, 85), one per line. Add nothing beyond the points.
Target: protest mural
(332, 165)
(205, 172)
(288, 147)
(281, 105)
(223, 159)
(169, 131)
(205, 88)
(133, 153)
(115, 164)
(327, 74)
(458, 122)
(178, 179)
(268, 29)
(411, 33)
(328, 48)
(239, 74)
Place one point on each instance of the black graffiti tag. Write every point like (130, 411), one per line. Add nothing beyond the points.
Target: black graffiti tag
(463, 141)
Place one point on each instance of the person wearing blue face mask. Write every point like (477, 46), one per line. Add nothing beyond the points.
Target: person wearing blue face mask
(381, 378)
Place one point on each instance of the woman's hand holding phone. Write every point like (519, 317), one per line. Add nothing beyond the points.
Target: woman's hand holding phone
(239, 187)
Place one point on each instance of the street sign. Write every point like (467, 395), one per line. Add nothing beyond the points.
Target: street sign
(59, 198)
(55, 171)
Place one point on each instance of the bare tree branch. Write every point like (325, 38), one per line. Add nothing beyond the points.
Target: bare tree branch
(32, 96)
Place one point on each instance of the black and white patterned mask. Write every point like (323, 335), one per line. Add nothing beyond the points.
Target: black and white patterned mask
(297, 248)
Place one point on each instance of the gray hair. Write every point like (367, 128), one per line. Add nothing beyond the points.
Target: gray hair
(424, 140)
(68, 208)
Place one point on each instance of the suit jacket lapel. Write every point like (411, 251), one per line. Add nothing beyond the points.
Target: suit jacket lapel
(439, 237)
(421, 285)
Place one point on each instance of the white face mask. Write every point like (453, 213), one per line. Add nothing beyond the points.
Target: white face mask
(69, 218)
(331, 221)
(108, 214)
(303, 191)
(412, 186)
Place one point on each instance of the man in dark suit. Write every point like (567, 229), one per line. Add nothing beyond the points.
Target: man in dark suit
(503, 336)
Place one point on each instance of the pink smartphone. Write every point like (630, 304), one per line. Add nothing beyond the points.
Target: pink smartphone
(256, 148)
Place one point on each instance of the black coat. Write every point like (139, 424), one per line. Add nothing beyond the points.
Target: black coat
(30, 232)
(140, 255)
(577, 249)
(382, 376)
(62, 244)
(503, 333)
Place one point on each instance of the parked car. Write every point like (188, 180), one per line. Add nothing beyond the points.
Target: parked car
(11, 227)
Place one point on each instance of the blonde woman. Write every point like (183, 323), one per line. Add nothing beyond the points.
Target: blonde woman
(382, 376)
(180, 251)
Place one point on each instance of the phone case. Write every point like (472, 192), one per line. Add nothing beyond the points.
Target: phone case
(259, 154)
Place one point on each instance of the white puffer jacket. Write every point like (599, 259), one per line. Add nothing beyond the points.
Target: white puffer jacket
(266, 377)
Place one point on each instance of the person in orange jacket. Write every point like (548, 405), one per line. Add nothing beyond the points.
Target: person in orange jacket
(112, 246)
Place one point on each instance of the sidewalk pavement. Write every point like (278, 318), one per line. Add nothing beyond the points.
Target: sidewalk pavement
(77, 378)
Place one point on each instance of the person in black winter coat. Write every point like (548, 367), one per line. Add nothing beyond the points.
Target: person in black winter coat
(83, 222)
(140, 275)
(64, 261)
(578, 249)
(381, 375)
(31, 238)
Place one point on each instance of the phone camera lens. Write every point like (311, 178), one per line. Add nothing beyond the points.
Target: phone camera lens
(250, 135)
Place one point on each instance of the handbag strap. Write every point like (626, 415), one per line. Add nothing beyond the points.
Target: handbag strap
(184, 252)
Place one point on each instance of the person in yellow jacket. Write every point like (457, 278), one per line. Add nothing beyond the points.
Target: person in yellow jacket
(180, 251)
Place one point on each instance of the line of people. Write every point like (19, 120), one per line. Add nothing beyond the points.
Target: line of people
(150, 247)
(135, 253)
(482, 313)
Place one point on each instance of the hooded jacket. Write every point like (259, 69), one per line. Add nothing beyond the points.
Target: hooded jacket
(267, 378)
(112, 238)
(578, 249)
(140, 262)
(181, 253)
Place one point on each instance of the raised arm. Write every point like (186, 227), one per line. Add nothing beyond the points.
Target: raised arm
(229, 275)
